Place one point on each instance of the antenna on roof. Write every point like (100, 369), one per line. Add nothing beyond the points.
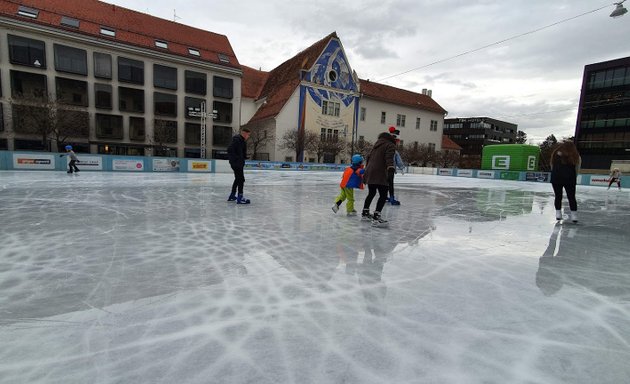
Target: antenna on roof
(175, 17)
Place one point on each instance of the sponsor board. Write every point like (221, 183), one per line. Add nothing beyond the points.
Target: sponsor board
(485, 174)
(127, 165)
(599, 180)
(33, 161)
(500, 162)
(537, 176)
(464, 173)
(90, 163)
(165, 165)
(199, 166)
(445, 172)
(509, 175)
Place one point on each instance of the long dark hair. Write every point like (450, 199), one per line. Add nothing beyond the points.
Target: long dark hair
(567, 153)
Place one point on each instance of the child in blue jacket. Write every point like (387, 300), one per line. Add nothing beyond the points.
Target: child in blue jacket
(352, 178)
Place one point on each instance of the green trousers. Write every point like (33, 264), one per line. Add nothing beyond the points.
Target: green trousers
(346, 193)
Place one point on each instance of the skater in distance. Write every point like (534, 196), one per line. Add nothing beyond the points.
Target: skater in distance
(72, 165)
(565, 165)
(237, 153)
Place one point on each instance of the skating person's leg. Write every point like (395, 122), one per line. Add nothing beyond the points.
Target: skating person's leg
(368, 201)
(382, 197)
(339, 199)
(73, 165)
(350, 204)
(557, 190)
(234, 185)
(610, 182)
(390, 180)
(570, 188)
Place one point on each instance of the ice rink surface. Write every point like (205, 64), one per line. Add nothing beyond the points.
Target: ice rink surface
(155, 278)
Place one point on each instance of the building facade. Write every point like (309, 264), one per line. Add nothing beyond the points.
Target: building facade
(114, 81)
(602, 131)
(473, 133)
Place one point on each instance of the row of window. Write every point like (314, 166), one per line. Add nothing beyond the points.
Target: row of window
(329, 134)
(400, 120)
(608, 99)
(107, 31)
(609, 78)
(75, 92)
(330, 108)
(32, 53)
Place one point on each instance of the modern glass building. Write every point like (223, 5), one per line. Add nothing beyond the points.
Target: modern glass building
(602, 132)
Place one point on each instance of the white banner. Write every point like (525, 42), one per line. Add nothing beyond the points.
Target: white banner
(165, 165)
(445, 172)
(89, 163)
(599, 180)
(465, 173)
(199, 166)
(485, 174)
(127, 165)
(33, 161)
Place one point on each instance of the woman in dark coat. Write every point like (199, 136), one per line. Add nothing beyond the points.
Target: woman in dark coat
(565, 164)
(380, 163)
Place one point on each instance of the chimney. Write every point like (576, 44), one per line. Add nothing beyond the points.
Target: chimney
(424, 91)
(429, 92)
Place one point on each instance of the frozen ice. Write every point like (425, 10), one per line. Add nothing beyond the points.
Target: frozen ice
(156, 278)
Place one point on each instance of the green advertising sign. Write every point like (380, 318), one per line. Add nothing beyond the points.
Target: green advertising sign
(510, 157)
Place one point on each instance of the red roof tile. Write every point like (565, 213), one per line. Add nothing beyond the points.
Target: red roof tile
(447, 143)
(399, 96)
(134, 28)
(252, 82)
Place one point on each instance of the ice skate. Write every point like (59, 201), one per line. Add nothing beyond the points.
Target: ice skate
(241, 200)
(393, 201)
(335, 208)
(365, 215)
(574, 217)
(558, 214)
(378, 221)
(352, 213)
(232, 197)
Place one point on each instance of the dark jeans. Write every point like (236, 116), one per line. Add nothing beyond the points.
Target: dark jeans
(390, 179)
(570, 189)
(382, 196)
(73, 166)
(239, 180)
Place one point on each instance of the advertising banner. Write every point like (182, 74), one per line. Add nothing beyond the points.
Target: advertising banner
(165, 165)
(485, 174)
(465, 173)
(127, 165)
(199, 166)
(89, 163)
(445, 172)
(599, 180)
(33, 161)
(537, 176)
(508, 175)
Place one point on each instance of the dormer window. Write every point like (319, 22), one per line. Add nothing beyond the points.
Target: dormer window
(194, 51)
(224, 58)
(108, 32)
(161, 44)
(69, 22)
(28, 12)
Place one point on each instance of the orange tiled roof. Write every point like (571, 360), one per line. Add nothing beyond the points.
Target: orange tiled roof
(447, 143)
(399, 96)
(252, 82)
(285, 78)
(134, 28)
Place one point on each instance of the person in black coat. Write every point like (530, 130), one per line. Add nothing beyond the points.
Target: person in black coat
(565, 165)
(378, 171)
(237, 153)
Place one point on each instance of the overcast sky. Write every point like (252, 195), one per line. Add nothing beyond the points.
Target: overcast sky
(533, 80)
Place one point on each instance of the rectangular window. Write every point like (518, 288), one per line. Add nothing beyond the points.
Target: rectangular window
(71, 60)
(434, 124)
(432, 147)
(383, 116)
(109, 126)
(322, 134)
(224, 112)
(102, 65)
(108, 32)
(28, 12)
(164, 77)
(130, 100)
(192, 107)
(130, 71)
(103, 96)
(192, 135)
(223, 87)
(400, 120)
(69, 22)
(417, 123)
(136, 128)
(25, 51)
(73, 92)
(362, 114)
(161, 44)
(28, 85)
(164, 131)
(165, 104)
(223, 58)
(221, 136)
(194, 51)
(196, 82)
(330, 108)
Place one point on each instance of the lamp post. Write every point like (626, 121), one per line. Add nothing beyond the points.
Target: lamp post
(619, 9)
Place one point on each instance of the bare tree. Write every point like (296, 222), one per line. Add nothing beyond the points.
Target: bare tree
(50, 119)
(299, 142)
(447, 159)
(164, 132)
(258, 138)
(362, 147)
(330, 146)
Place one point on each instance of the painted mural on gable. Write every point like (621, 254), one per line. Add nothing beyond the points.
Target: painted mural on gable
(326, 110)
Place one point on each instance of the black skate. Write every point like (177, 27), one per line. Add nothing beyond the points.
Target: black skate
(378, 221)
(365, 216)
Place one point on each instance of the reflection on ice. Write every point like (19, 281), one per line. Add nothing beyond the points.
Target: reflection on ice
(153, 278)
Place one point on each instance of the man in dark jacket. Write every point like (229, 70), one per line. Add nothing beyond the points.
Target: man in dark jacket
(379, 168)
(237, 153)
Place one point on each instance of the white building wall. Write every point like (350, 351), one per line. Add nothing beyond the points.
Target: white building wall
(248, 109)
(287, 120)
(371, 127)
